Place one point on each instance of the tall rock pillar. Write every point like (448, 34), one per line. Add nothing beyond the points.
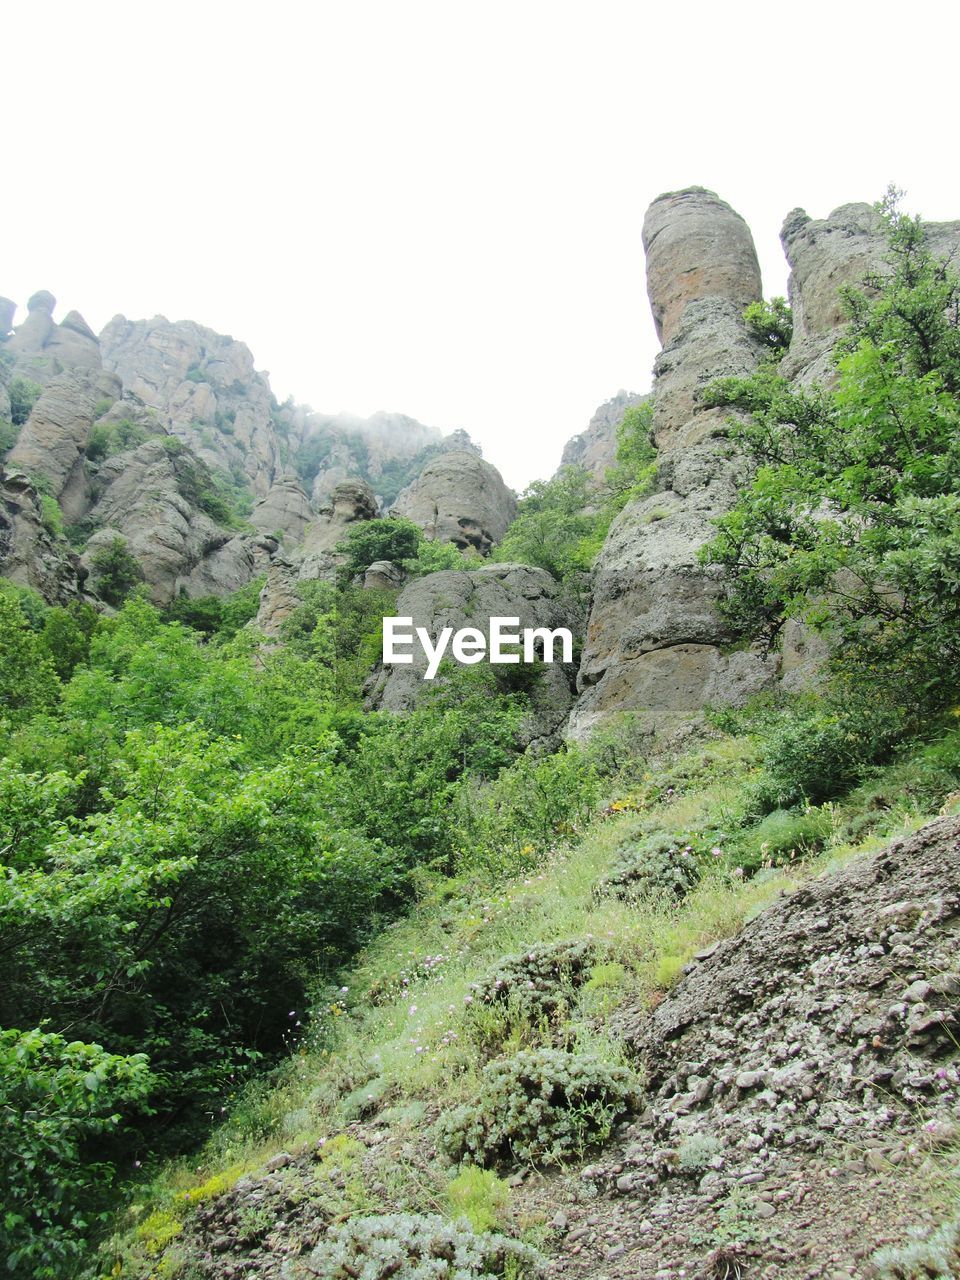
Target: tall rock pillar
(655, 641)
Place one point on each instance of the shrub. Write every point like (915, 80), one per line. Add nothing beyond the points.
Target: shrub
(770, 323)
(9, 432)
(393, 538)
(116, 572)
(540, 981)
(479, 1196)
(696, 1151)
(412, 1246)
(505, 825)
(51, 516)
(57, 1099)
(783, 835)
(541, 1105)
(658, 864)
(24, 394)
(929, 1254)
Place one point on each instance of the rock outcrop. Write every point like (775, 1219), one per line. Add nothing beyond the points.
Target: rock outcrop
(470, 598)
(825, 254)
(41, 348)
(459, 498)
(52, 441)
(655, 643)
(205, 389)
(596, 448)
(696, 247)
(352, 500)
(30, 554)
(284, 511)
(146, 497)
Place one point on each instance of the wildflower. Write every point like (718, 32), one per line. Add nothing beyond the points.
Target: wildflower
(716, 851)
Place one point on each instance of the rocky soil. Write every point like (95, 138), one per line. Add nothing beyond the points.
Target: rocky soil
(802, 1090)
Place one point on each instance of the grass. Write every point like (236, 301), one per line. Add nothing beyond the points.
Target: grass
(402, 1036)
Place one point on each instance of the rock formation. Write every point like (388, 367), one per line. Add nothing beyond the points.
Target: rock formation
(30, 554)
(654, 640)
(459, 498)
(52, 441)
(283, 511)
(205, 390)
(145, 497)
(41, 349)
(596, 448)
(465, 598)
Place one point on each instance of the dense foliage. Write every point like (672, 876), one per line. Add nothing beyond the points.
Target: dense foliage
(160, 783)
(852, 521)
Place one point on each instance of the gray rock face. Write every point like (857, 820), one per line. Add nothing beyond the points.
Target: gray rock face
(205, 389)
(139, 498)
(52, 440)
(469, 598)
(824, 255)
(696, 247)
(43, 349)
(459, 498)
(29, 554)
(285, 510)
(596, 448)
(352, 500)
(654, 638)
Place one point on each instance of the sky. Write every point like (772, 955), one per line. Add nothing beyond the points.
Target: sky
(435, 207)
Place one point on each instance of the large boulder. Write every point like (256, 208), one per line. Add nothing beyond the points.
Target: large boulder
(655, 643)
(284, 512)
(470, 598)
(459, 498)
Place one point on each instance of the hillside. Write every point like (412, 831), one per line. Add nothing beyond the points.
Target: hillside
(639, 963)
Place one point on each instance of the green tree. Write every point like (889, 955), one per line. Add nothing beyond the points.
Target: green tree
(393, 538)
(28, 680)
(24, 394)
(63, 1105)
(116, 572)
(852, 520)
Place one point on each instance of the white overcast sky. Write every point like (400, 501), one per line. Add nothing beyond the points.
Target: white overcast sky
(435, 207)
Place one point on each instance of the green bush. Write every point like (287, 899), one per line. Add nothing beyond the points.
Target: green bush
(51, 515)
(393, 538)
(412, 1246)
(479, 1196)
(24, 394)
(657, 864)
(505, 825)
(9, 432)
(61, 1103)
(116, 572)
(541, 1106)
(771, 323)
(539, 982)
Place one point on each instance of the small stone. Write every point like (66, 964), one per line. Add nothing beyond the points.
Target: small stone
(765, 1209)
(577, 1234)
(616, 1251)
(279, 1161)
(749, 1079)
(625, 1183)
(558, 1221)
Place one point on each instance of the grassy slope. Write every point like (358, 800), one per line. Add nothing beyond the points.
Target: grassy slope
(404, 1033)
